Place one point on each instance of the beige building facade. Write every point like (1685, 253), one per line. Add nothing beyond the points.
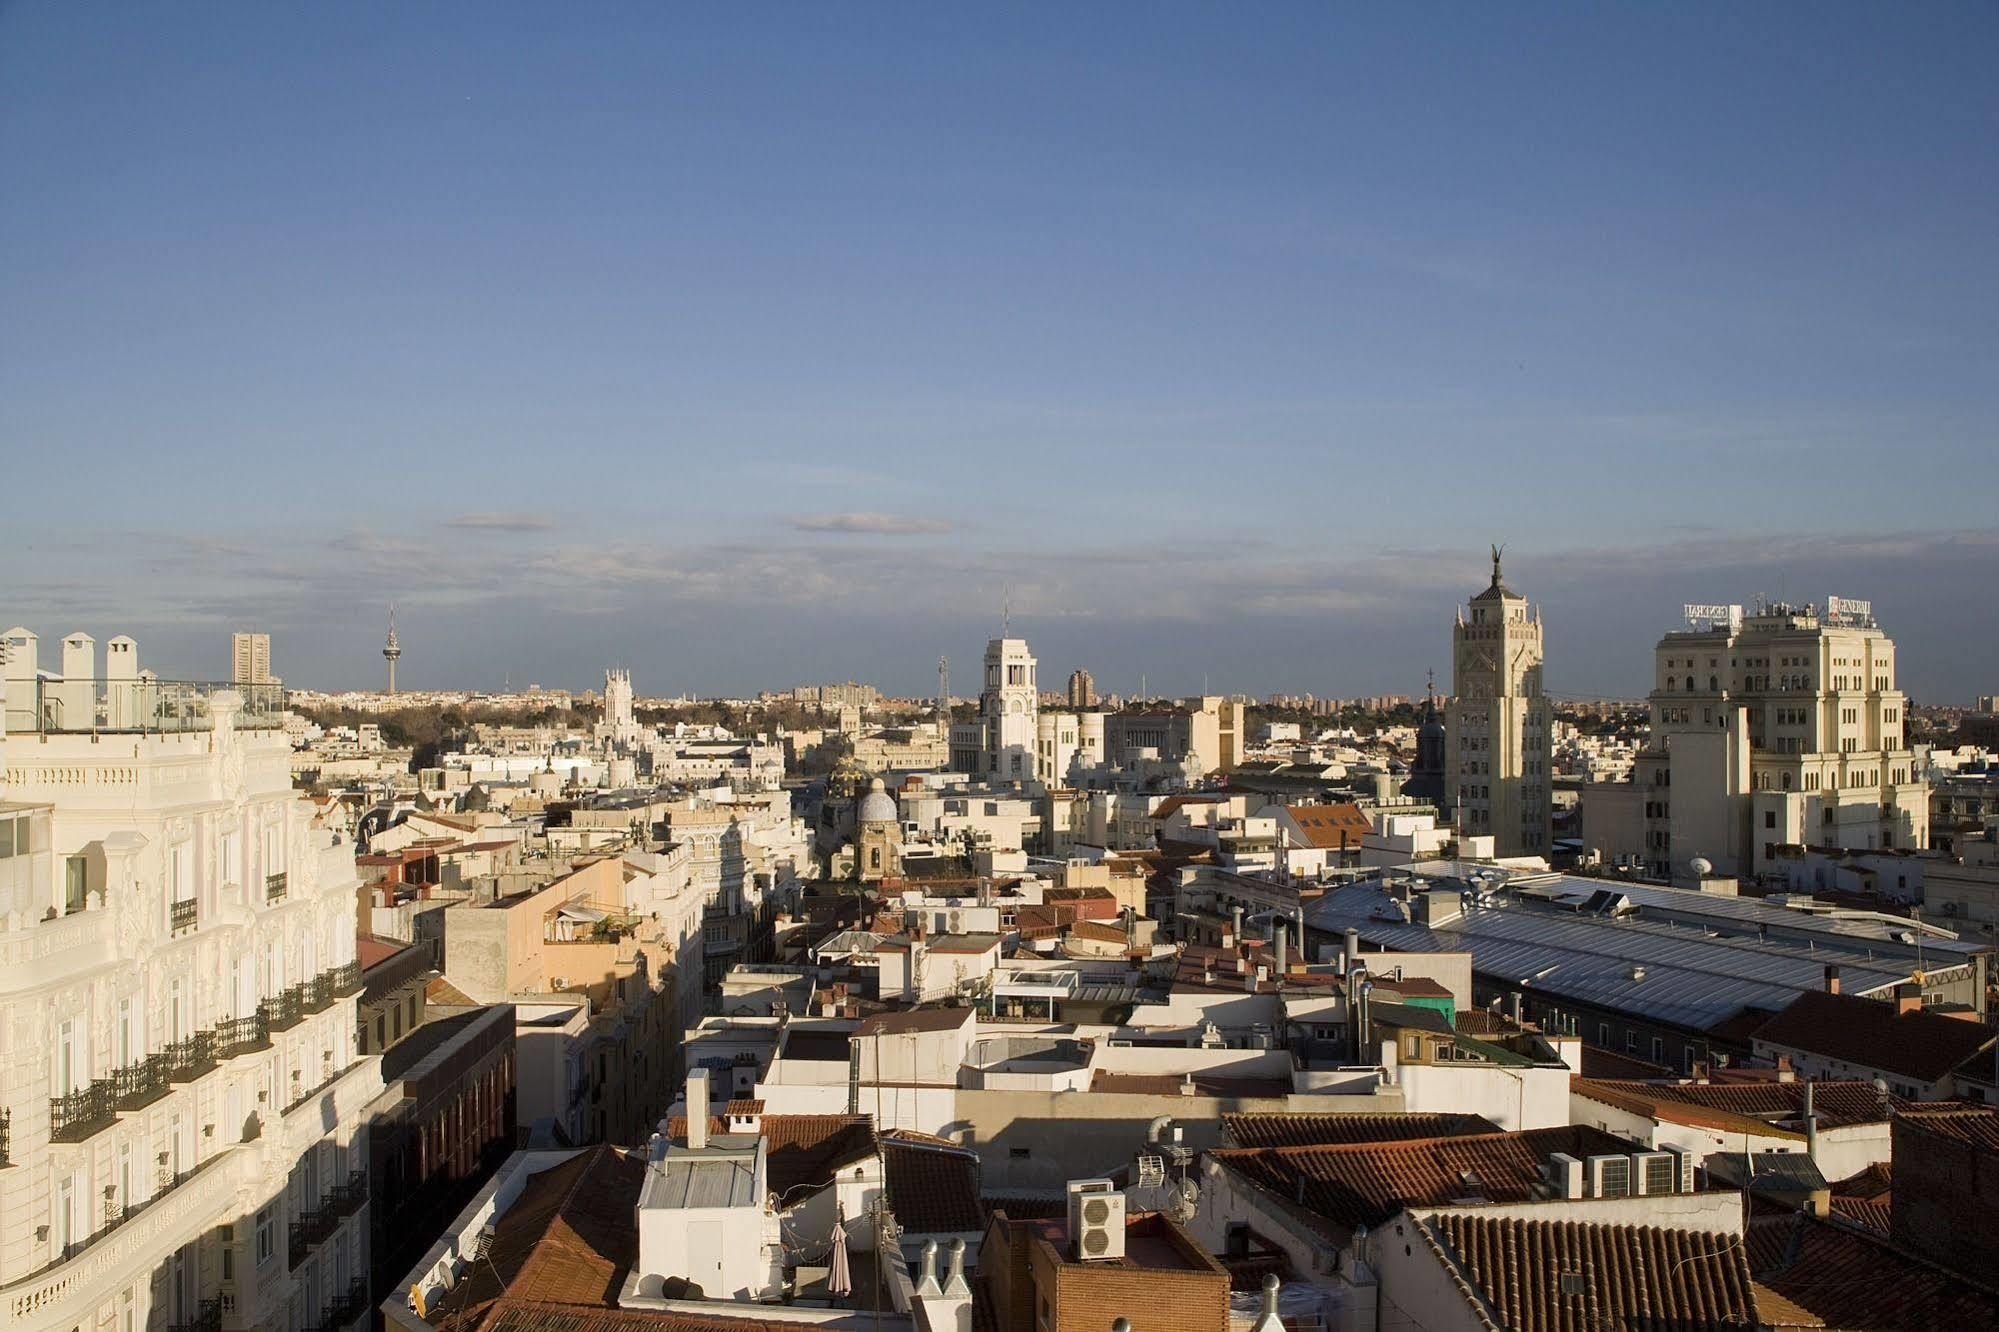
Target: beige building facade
(1498, 723)
(1783, 727)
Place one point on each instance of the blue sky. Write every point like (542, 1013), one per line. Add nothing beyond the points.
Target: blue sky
(752, 345)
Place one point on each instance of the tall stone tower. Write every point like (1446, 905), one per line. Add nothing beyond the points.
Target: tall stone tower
(1009, 710)
(619, 727)
(1497, 724)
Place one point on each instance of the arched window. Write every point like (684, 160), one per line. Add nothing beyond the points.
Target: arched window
(1690, 684)
(1713, 685)
(874, 857)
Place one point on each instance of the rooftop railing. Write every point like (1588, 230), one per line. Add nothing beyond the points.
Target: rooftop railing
(141, 707)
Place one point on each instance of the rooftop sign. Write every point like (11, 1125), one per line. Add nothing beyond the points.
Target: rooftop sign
(1713, 617)
(1844, 610)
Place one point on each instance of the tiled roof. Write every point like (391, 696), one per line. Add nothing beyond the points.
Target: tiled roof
(370, 951)
(1570, 1276)
(933, 1187)
(511, 1315)
(1874, 1216)
(1871, 1033)
(1725, 1105)
(1325, 825)
(1976, 1126)
(800, 1151)
(568, 1239)
(1852, 1279)
(1874, 1184)
(1363, 1184)
(1292, 1130)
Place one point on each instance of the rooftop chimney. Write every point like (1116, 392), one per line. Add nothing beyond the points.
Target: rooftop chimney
(1353, 948)
(1235, 938)
(1811, 1125)
(1282, 933)
(1908, 998)
(1832, 980)
(697, 1109)
(1268, 1321)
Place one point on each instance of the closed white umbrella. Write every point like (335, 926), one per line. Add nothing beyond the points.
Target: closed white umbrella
(838, 1280)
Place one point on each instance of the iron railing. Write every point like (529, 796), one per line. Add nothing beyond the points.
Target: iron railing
(137, 1084)
(183, 915)
(276, 886)
(349, 1196)
(188, 1059)
(345, 979)
(350, 1305)
(317, 994)
(283, 1011)
(6, 1136)
(207, 1318)
(234, 1036)
(310, 1230)
(83, 1113)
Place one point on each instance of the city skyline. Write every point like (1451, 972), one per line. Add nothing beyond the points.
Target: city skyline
(752, 350)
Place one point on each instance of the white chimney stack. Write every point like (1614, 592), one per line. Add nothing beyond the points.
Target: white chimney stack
(697, 1109)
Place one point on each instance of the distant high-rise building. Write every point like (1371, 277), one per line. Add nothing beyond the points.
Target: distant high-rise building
(1780, 728)
(1009, 706)
(1500, 732)
(1082, 690)
(251, 654)
(392, 651)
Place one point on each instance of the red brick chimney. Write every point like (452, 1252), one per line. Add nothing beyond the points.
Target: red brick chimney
(1908, 998)
(1832, 980)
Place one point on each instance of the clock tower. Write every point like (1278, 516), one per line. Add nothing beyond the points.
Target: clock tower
(1498, 724)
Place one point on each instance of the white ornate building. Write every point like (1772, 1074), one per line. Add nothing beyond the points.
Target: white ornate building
(1009, 706)
(183, 1134)
(1498, 724)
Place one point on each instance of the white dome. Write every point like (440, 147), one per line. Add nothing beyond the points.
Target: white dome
(877, 806)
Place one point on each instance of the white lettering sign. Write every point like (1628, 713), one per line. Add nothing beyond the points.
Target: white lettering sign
(1711, 616)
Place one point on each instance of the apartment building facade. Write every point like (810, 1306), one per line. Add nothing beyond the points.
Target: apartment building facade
(180, 1092)
(1782, 727)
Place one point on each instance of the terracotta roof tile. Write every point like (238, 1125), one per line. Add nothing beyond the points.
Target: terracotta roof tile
(1852, 1279)
(1975, 1126)
(933, 1186)
(1363, 1184)
(800, 1151)
(1871, 1033)
(1569, 1276)
(511, 1315)
(568, 1239)
(1329, 827)
(1308, 1130)
(1725, 1105)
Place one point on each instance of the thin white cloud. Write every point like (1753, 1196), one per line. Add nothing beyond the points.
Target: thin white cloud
(870, 524)
(501, 522)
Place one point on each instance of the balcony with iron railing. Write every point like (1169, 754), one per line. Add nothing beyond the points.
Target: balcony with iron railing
(234, 1036)
(6, 1137)
(83, 1113)
(345, 979)
(351, 1305)
(311, 1229)
(207, 1318)
(276, 886)
(349, 1196)
(317, 993)
(284, 1010)
(190, 1057)
(141, 1083)
(183, 915)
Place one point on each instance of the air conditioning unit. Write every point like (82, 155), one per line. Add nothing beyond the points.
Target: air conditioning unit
(1655, 1172)
(1565, 1176)
(1096, 1220)
(1684, 1161)
(1609, 1177)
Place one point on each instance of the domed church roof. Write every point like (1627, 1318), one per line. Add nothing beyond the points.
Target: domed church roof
(877, 806)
